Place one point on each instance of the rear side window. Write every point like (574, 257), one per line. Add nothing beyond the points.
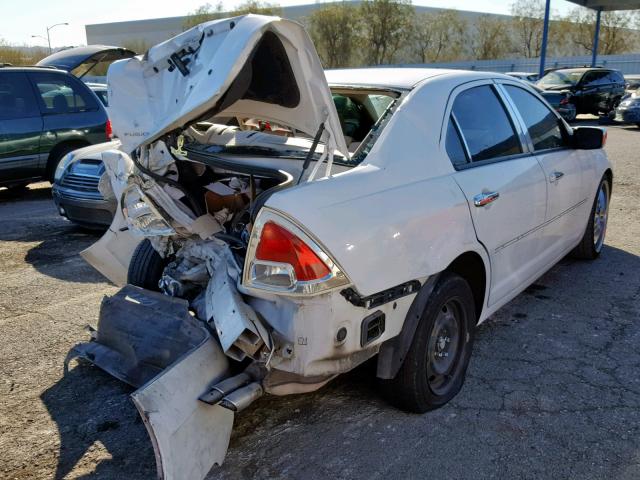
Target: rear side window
(59, 94)
(485, 125)
(542, 123)
(453, 145)
(16, 97)
(594, 77)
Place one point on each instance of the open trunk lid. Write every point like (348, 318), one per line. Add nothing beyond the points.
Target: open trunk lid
(81, 61)
(251, 66)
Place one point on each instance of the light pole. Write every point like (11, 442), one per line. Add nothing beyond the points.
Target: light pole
(48, 39)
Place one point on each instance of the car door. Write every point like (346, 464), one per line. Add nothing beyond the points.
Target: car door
(593, 92)
(20, 128)
(69, 110)
(548, 139)
(502, 181)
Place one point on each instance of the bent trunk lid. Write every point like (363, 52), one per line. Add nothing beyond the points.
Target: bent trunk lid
(248, 66)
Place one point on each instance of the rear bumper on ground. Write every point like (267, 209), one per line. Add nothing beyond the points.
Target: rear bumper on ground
(88, 212)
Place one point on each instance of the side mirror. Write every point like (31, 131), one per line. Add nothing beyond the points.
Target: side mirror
(588, 138)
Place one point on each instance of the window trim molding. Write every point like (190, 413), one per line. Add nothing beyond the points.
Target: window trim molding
(539, 97)
(453, 95)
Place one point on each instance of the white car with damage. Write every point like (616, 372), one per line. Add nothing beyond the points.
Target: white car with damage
(277, 227)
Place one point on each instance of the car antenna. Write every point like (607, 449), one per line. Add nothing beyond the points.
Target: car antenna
(311, 151)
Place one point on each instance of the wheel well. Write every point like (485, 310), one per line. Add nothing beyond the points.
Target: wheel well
(55, 152)
(470, 266)
(609, 175)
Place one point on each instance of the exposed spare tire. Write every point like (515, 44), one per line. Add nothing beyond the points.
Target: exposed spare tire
(146, 266)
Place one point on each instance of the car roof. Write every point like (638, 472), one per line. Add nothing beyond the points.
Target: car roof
(396, 77)
(33, 68)
(581, 69)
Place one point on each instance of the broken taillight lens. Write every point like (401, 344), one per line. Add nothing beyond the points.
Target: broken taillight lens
(279, 245)
(281, 257)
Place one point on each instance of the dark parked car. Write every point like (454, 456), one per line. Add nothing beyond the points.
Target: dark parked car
(592, 90)
(560, 101)
(44, 114)
(629, 109)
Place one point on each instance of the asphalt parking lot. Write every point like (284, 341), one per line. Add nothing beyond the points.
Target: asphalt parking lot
(553, 389)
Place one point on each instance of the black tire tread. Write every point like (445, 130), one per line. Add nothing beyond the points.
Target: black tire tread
(409, 390)
(585, 249)
(146, 266)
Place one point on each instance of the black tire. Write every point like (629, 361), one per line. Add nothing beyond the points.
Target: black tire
(590, 247)
(146, 266)
(17, 187)
(418, 387)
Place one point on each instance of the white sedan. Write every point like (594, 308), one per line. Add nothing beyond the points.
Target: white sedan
(277, 229)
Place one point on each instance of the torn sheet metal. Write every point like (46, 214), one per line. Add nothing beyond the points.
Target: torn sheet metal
(239, 329)
(140, 333)
(112, 253)
(188, 436)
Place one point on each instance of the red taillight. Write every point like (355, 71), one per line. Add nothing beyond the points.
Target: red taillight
(108, 131)
(278, 244)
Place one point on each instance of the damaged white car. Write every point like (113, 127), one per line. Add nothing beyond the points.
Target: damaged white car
(278, 227)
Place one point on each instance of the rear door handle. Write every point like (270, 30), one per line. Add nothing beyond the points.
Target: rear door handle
(555, 176)
(483, 199)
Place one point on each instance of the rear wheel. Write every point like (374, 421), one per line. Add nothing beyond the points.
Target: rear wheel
(434, 370)
(146, 266)
(592, 241)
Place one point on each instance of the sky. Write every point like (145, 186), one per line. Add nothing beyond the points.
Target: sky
(19, 20)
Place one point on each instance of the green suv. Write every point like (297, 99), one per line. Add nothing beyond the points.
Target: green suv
(44, 114)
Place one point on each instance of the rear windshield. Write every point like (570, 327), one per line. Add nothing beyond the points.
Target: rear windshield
(567, 77)
(363, 113)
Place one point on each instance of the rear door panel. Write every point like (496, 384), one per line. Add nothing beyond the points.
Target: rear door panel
(499, 168)
(20, 128)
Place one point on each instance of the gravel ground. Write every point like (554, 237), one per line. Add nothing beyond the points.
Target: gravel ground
(553, 389)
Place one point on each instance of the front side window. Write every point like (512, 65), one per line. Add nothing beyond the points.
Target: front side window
(16, 97)
(59, 94)
(541, 122)
(485, 125)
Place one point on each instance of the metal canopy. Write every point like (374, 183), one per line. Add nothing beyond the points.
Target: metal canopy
(599, 6)
(608, 5)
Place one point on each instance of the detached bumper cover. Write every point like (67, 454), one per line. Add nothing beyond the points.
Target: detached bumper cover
(152, 342)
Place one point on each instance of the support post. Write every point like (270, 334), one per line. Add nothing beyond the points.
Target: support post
(596, 38)
(545, 34)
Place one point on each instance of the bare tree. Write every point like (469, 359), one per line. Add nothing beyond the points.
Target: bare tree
(256, 6)
(615, 31)
(204, 13)
(438, 37)
(386, 27)
(16, 55)
(334, 31)
(528, 23)
(491, 38)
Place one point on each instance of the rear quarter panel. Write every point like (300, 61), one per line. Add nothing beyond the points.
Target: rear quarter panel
(400, 216)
